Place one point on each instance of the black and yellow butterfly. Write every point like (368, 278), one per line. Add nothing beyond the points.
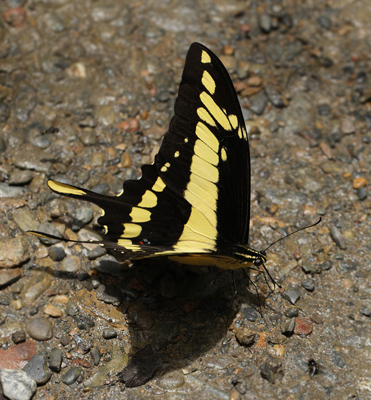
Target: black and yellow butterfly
(193, 203)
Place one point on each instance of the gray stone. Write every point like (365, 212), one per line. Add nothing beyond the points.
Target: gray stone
(171, 381)
(337, 237)
(109, 265)
(8, 276)
(308, 284)
(109, 333)
(365, 311)
(72, 375)
(347, 266)
(72, 309)
(81, 217)
(249, 314)
(37, 369)
(265, 22)
(274, 96)
(20, 177)
(362, 193)
(39, 329)
(95, 355)
(287, 327)
(49, 228)
(17, 385)
(292, 295)
(258, 102)
(109, 294)
(19, 336)
(55, 359)
(7, 191)
(56, 253)
(70, 264)
(325, 22)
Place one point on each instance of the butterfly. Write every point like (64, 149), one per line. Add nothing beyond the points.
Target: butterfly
(193, 203)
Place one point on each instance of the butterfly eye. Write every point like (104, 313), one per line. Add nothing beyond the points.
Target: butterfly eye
(258, 262)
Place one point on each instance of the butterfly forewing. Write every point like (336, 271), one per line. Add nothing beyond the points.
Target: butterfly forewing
(205, 154)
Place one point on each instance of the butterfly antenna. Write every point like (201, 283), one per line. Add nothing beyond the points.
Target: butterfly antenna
(292, 233)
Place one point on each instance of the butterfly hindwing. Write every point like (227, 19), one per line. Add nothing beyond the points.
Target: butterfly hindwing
(195, 198)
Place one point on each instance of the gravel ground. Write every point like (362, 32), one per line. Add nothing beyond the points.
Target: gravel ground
(86, 92)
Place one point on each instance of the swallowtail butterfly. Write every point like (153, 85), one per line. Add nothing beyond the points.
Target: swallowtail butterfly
(193, 203)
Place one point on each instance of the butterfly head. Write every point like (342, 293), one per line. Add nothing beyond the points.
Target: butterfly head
(260, 259)
(249, 256)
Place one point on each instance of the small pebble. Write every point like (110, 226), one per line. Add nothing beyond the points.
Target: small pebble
(265, 22)
(362, 193)
(292, 295)
(337, 237)
(8, 276)
(258, 102)
(109, 294)
(52, 310)
(324, 109)
(287, 327)
(337, 359)
(171, 381)
(84, 322)
(37, 369)
(19, 336)
(49, 228)
(72, 309)
(292, 312)
(109, 265)
(325, 266)
(13, 252)
(141, 368)
(17, 385)
(81, 217)
(95, 355)
(98, 251)
(347, 266)
(271, 372)
(359, 182)
(72, 375)
(55, 359)
(308, 284)
(56, 253)
(365, 311)
(39, 329)
(109, 333)
(70, 264)
(65, 340)
(274, 96)
(303, 326)
(325, 22)
(249, 314)
(245, 337)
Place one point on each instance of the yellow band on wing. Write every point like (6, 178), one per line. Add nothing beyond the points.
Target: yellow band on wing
(62, 188)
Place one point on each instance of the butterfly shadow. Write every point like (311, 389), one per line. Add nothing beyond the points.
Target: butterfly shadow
(175, 315)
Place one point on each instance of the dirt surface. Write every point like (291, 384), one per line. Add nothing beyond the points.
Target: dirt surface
(86, 93)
